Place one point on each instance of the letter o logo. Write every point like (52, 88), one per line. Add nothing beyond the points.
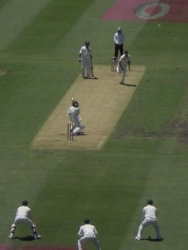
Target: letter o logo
(152, 10)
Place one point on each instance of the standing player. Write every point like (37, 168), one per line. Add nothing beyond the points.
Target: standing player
(150, 218)
(118, 42)
(23, 216)
(123, 61)
(74, 112)
(128, 57)
(87, 232)
(85, 57)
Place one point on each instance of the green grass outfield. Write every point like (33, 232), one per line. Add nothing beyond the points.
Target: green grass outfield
(145, 157)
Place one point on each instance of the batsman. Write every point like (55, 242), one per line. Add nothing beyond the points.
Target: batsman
(74, 116)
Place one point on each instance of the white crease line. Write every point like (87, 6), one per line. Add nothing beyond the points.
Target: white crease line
(101, 142)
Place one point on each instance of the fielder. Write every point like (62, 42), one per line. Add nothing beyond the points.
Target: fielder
(85, 57)
(122, 65)
(74, 112)
(23, 216)
(150, 218)
(87, 232)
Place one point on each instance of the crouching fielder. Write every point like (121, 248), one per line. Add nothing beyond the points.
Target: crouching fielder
(23, 216)
(74, 116)
(150, 218)
(87, 232)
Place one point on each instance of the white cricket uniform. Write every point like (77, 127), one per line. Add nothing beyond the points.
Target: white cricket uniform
(23, 215)
(122, 66)
(150, 218)
(74, 113)
(86, 233)
(128, 58)
(119, 38)
(86, 60)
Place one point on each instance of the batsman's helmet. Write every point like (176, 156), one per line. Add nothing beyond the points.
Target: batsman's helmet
(75, 104)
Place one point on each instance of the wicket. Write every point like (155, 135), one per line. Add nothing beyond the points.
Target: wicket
(69, 132)
(114, 63)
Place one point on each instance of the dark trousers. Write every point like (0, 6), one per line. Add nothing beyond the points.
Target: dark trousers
(118, 47)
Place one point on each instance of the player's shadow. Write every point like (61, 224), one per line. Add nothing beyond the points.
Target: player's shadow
(151, 239)
(130, 85)
(91, 78)
(25, 238)
(80, 134)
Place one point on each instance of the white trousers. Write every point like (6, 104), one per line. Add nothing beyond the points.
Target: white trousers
(22, 220)
(77, 130)
(123, 75)
(86, 68)
(87, 238)
(146, 222)
(77, 127)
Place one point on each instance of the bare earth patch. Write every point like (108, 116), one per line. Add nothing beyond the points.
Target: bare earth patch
(102, 102)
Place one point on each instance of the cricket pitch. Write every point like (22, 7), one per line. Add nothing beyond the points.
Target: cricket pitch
(102, 102)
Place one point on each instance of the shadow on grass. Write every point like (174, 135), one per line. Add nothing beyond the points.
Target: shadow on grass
(24, 238)
(153, 240)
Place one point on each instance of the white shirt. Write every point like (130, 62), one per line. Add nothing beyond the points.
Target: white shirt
(119, 38)
(87, 230)
(74, 113)
(150, 211)
(23, 212)
(85, 53)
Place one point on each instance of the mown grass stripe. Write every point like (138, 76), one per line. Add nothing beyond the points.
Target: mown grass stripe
(49, 28)
(15, 16)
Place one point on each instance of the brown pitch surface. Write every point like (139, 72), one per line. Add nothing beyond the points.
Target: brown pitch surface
(102, 102)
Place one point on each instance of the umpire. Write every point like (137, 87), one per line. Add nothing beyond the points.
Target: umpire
(118, 42)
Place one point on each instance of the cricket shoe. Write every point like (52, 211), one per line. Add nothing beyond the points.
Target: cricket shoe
(159, 239)
(37, 236)
(11, 236)
(137, 238)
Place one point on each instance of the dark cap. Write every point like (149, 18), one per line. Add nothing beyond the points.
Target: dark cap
(25, 203)
(86, 221)
(150, 202)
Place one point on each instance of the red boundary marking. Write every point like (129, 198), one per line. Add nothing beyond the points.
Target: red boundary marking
(3, 247)
(153, 10)
(125, 10)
